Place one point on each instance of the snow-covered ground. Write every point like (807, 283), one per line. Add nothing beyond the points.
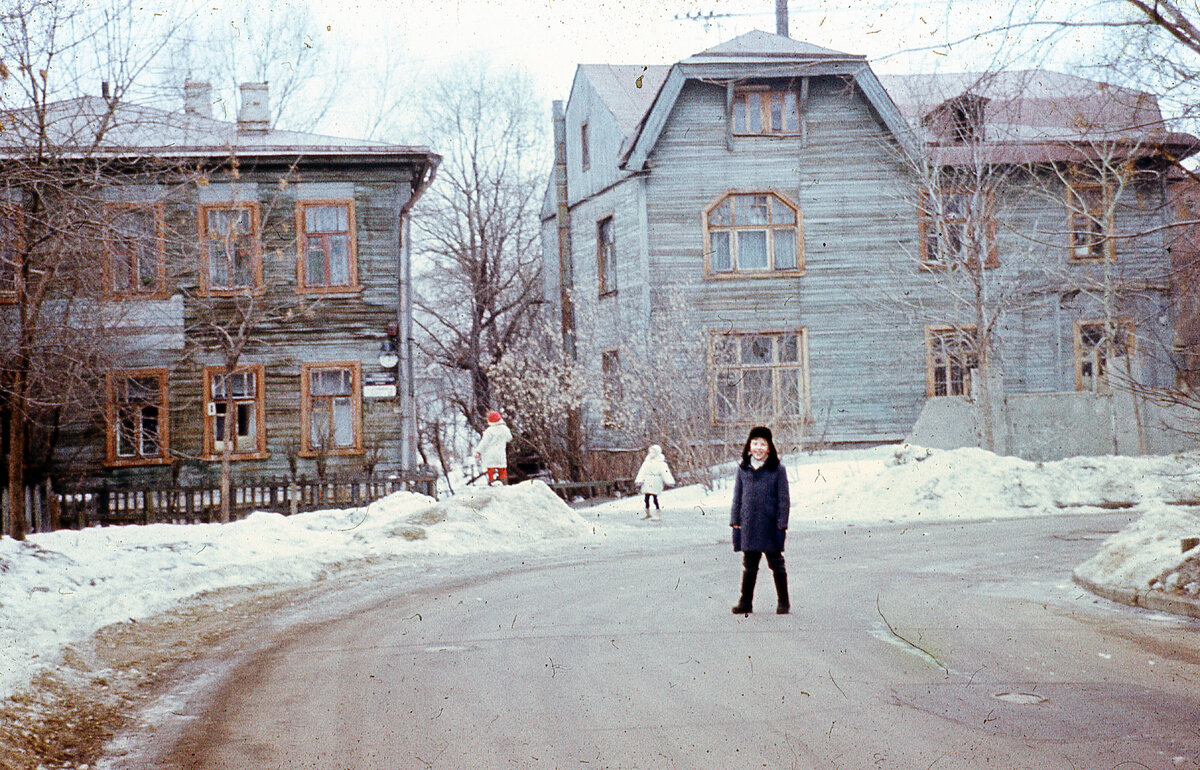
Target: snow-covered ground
(58, 588)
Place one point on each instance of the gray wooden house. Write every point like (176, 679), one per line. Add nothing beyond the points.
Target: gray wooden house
(256, 279)
(817, 224)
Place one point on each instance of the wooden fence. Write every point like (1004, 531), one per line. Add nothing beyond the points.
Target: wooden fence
(80, 506)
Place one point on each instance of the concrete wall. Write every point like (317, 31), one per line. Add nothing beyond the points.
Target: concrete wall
(1051, 426)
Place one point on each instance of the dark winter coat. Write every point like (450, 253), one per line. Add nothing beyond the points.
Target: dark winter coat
(760, 507)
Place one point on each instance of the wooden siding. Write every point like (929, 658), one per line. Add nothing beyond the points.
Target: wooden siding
(856, 191)
(604, 141)
(345, 326)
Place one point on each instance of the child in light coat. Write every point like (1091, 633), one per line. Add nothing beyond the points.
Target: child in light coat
(492, 450)
(653, 476)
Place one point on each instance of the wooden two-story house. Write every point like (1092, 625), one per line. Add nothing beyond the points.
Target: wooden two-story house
(256, 280)
(850, 246)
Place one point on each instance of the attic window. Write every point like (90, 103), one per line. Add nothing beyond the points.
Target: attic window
(585, 151)
(966, 120)
(758, 111)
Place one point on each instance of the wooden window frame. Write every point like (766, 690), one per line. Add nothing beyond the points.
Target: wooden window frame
(606, 256)
(1080, 357)
(112, 382)
(777, 368)
(931, 215)
(585, 147)
(306, 447)
(256, 249)
(934, 339)
(302, 237)
(767, 97)
(9, 296)
(735, 270)
(159, 290)
(211, 451)
(1082, 217)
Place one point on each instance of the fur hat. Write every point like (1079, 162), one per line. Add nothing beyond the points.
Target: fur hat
(764, 433)
(760, 431)
(493, 416)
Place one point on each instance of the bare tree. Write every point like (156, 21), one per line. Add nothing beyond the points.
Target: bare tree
(57, 229)
(478, 231)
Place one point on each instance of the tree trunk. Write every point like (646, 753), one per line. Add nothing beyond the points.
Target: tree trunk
(16, 464)
(227, 460)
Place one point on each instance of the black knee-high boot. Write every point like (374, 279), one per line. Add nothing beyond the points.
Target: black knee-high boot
(745, 603)
(785, 605)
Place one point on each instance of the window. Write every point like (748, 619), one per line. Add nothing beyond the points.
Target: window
(760, 377)
(753, 233)
(135, 263)
(11, 246)
(1102, 348)
(950, 360)
(137, 417)
(1089, 222)
(762, 111)
(585, 150)
(606, 256)
(610, 367)
(234, 412)
(327, 245)
(956, 226)
(229, 234)
(331, 408)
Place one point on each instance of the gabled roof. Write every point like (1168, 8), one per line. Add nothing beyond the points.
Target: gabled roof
(761, 54)
(617, 87)
(132, 129)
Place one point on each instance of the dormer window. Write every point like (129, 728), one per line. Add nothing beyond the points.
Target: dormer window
(966, 121)
(763, 110)
(959, 120)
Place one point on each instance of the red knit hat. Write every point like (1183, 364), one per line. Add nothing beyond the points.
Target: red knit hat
(493, 416)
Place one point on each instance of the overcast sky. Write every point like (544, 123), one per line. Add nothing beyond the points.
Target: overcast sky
(549, 38)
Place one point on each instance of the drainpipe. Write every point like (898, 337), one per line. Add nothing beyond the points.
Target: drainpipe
(406, 391)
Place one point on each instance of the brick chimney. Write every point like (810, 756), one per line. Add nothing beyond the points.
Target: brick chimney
(254, 115)
(197, 98)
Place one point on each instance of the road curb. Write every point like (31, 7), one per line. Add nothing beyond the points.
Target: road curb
(1150, 598)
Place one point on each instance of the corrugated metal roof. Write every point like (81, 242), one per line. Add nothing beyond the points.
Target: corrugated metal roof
(138, 129)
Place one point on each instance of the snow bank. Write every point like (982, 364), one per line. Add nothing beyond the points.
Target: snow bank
(493, 517)
(1142, 551)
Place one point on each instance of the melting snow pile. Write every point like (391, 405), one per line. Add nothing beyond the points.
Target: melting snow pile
(1147, 551)
(490, 517)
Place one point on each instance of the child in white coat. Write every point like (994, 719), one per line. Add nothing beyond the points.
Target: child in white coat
(653, 476)
(492, 450)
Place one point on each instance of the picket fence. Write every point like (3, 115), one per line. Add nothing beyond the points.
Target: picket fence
(79, 506)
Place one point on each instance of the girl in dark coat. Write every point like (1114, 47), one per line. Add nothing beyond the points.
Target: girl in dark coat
(760, 517)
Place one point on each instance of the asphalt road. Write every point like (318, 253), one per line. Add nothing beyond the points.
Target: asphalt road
(941, 646)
